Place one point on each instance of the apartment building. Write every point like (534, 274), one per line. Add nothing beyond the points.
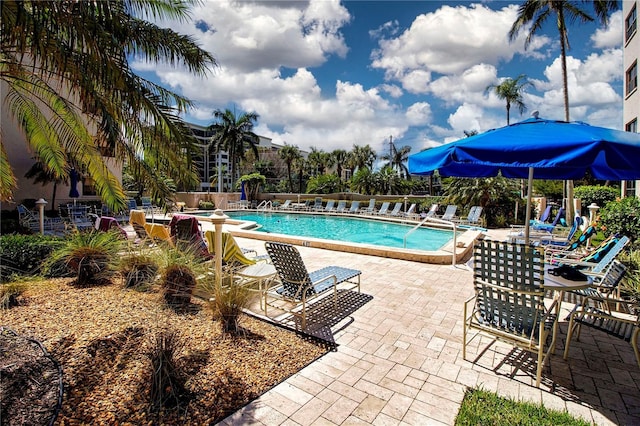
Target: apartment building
(631, 107)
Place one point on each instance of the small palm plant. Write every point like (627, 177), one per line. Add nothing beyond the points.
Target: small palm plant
(139, 268)
(179, 270)
(92, 256)
(228, 302)
(167, 379)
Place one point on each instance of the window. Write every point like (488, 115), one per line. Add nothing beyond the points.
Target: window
(630, 188)
(630, 24)
(632, 126)
(632, 77)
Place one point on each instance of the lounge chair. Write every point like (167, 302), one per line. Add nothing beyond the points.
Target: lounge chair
(330, 207)
(396, 210)
(383, 209)
(317, 205)
(549, 227)
(286, 205)
(432, 211)
(472, 218)
(131, 204)
(138, 220)
(342, 206)
(543, 217)
(232, 254)
(355, 206)
(297, 286)
(410, 213)
(371, 208)
(31, 220)
(595, 263)
(509, 300)
(107, 224)
(594, 312)
(450, 212)
(186, 235)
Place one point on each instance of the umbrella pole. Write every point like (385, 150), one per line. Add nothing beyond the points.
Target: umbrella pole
(527, 216)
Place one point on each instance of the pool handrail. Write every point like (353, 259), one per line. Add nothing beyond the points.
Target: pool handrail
(442, 222)
(265, 205)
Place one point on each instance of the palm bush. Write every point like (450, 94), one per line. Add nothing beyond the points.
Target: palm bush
(179, 269)
(228, 302)
(139, 269)
(167, 380)
(9, 294)
(92, 256)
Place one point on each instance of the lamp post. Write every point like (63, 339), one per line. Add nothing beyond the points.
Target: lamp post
(41, 203)
(218, 218)
(405, 203)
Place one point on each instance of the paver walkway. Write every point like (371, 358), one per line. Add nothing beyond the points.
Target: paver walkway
(400, 359)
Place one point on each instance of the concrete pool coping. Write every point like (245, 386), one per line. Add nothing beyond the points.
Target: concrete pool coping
(443, 256)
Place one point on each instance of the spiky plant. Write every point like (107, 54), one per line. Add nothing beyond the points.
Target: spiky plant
(167, 380)
(228, 302)
(9, 294)
(139, 269)
(92, 256)
(178, 277)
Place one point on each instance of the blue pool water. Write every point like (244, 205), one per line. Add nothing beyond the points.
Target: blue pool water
(339, 228)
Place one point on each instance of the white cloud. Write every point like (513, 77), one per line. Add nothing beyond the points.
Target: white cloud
(419, 114)
(442, 41)
(467, 87)
(610, 36)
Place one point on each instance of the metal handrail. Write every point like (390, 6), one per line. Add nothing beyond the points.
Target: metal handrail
(265, 205)
(442, 222)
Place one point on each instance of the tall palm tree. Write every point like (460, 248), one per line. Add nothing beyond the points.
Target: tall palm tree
(363, 157)
(318, 160)
(289, 155)
(70, 87)
(398, 159)
(536, 12)
(511, 90)
(340, 160)
(234, 134)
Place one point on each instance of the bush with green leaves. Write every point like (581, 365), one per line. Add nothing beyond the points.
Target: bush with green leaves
(23, 255)
(324, 184)
(179, 269)
(92, 256)
(598, 194)
(206, 205)
(622, 217)
(631, 282)
(139, 268)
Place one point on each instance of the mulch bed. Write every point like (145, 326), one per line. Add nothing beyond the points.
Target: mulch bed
(101, 337)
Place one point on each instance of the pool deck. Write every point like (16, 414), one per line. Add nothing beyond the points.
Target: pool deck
(399, 359)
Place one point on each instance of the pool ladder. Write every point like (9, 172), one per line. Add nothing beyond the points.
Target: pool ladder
(442, 222)
(265, 205)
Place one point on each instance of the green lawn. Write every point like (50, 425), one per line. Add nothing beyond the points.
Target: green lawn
(481, 407)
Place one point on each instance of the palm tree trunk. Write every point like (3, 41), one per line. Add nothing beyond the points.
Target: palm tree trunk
(565, 89)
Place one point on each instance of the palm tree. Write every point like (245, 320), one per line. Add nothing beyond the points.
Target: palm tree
(289, 154)
(234, 134)
(511, 90)
(71, 89)
(41, 174)
(340, 158)
(318, 160)
(363, 157)
(397, 160)
(535, 12)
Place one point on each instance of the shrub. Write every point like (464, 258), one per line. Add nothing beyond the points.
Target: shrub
(598, 194)
(631, 281)
(178, 277)
(167, 381)
(9, 294)
(138, 269)
(24, 254)
(206, 205)
(622, 217)
(92, 256)
(228, 303)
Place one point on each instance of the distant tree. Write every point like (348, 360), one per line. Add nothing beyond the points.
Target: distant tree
(511, 91)
(318, 161)
(340, 158)
(364, 181)
(289, 154)
(362, 157)
(40, 173)
(324, 184)
(234, 134)
(397, 160)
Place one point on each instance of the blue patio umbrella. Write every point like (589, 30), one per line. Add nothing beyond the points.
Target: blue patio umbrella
(243, 194)
(546, 149)
(74, 176)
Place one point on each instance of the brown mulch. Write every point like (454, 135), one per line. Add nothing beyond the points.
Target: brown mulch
(101, 337)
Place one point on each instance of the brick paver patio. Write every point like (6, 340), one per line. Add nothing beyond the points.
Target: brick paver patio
(399, 360)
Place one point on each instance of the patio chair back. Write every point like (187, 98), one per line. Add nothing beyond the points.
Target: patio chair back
(286, 205)
(330, 206)
(317, 205)
(342, 205)
(232, 254)
(544, 216)
(396, 210)
(355, 205)
(411, 210)
(131, 204)
(549, 227)
(606, 254)
(433, 210)
(107, 223)
(186, 235)
(291, 269)
(372, 206)
(449, 212)
(509, 297)
(384, 208)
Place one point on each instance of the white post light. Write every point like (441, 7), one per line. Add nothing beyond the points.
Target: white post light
(218, 218)
(41, 203)
(593, 212)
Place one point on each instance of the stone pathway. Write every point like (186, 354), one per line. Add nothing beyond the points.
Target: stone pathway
(399, 359)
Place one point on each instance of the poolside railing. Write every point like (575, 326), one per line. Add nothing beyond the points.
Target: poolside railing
(442, 222)
(265, 205)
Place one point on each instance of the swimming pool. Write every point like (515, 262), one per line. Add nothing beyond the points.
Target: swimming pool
(348, 229)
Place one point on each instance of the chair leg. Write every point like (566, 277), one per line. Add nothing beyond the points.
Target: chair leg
(569, 334)
(542, 340)
(464, 333)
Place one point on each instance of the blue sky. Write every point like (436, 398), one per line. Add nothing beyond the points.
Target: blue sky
(331, 74)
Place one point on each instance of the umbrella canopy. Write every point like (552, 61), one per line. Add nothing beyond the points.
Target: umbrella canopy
(546, 149)
(73, 189)
(243, 194)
